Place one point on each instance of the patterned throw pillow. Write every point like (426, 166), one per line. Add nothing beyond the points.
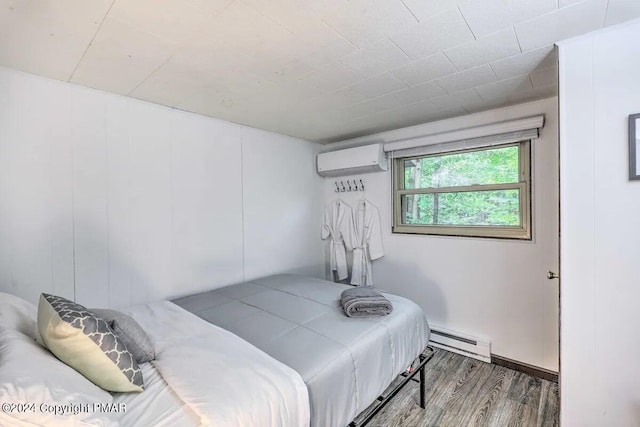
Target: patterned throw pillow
(85, 342)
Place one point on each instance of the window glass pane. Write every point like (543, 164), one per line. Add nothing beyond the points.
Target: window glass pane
(490, 166)
(417, 209)
(494, 208)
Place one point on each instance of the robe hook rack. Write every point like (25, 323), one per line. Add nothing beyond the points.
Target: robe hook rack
(341, 187)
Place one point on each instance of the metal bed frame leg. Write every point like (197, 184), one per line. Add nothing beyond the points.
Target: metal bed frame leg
(423, 386)
(367, 415)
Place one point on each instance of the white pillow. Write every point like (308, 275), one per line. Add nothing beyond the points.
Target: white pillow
(87, 343)
(17, 314)
(29, 373)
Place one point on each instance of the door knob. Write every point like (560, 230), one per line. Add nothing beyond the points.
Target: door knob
(551, 275)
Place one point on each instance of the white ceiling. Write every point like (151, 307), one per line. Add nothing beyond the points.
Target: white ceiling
(320, 70)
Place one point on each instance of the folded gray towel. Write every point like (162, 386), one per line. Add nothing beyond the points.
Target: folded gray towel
(365, 301)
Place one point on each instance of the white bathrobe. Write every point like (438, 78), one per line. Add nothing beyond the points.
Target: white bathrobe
(367, 243)
(338, 224)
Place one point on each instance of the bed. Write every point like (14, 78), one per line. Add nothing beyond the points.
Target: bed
(198, 378)
(346, 363)
(271, 351)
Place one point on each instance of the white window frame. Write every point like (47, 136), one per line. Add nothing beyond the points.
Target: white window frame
(522, 232)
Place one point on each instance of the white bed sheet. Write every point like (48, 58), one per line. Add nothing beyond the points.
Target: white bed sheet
(210, 377)
(157, 406)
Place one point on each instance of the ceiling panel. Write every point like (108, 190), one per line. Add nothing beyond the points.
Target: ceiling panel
(441, 32)
(73, 18)
(170, 85)
(467, 79)
(413, 110)
(525, 62)
(502, 88)
(499, 45)
(249, 32)
(565, 3)
(121, 57)
(487, 16)
(364, 22)
(375, 59)
(533, 94)
(173, 20)
(214, 59)
(620, 11)
(320, 70)
(382, 103)
(249, 87)
(426, 69)
(457, 99)
(564, 23)
(426, 9)
(316, 40)
(48, 37)
(207, 6)
(545, 76)
(330, 52)
(354, 128)
(215, 102)
(370, 88)
(419, 92)
(329, 77)
(413, 116)
(487, 105)
(300, 18)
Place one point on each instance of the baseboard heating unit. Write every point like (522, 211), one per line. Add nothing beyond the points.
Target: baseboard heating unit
(474, 347)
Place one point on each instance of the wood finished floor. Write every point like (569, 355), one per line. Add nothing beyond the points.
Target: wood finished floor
(465, 392)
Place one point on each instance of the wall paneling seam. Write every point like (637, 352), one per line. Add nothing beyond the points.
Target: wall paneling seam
(242, 201)
(73, 202)
(107, 192)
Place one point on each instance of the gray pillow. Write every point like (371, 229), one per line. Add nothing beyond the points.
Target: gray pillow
(130, 332)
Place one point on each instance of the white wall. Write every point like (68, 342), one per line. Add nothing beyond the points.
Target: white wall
(482, 287)
(599, 88)
(116, 201)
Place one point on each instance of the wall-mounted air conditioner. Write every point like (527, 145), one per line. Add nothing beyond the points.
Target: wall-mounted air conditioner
(352, 161)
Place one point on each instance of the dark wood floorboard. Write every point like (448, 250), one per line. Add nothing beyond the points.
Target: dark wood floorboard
(466, 392)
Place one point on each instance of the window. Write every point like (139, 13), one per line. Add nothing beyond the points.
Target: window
(480, 192)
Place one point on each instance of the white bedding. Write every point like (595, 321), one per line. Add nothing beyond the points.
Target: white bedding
(202, 376)
(346, 363)
(221, 379)
(157, 406)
